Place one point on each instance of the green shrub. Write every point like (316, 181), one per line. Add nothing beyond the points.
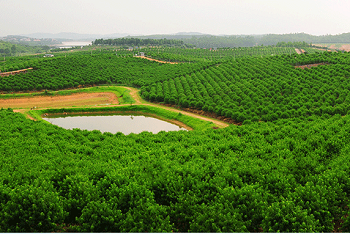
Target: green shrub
(32, 209)
(285, 216)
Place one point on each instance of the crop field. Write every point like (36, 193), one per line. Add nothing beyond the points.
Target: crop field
(284, 166)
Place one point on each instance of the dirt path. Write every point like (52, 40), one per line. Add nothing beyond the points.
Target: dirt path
(134, 94)
(23, 112)
(15, 72)
(137, 98)
(159, 61)
(310, 65)
(91, 100)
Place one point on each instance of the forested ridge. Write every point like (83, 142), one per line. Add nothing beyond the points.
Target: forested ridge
(286, 169)
(137, 42)
(209, 41)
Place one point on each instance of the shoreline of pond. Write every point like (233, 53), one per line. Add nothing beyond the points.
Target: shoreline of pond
(99, 113)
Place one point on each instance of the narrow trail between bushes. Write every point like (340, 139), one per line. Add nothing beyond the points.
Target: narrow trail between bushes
(156, 60)
(138, 101)
(90, 100)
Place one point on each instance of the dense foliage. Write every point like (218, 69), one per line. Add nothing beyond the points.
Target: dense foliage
(105, 66)
(208, 41)
(85, 69)
(286, 169)
(266, 89)
(288, 176)
(214, 54)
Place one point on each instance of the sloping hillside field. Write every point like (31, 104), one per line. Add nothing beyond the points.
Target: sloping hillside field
(283, 167)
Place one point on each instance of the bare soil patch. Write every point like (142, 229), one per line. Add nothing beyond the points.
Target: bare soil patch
(220, 121)
(213, 115)
(159, 61)
(345, 47)
(23, 112)
(97, 99)
(134, 94)
(15, 72)
(310, 65)
(298, 51)
(80, 99)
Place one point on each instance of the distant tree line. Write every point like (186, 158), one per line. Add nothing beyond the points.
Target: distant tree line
(10, 49)
(210, 41)
(222, 41)
(297, 44)
(272, 39)
(137, 42)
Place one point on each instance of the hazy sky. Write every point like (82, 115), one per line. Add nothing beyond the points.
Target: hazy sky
(317, 17)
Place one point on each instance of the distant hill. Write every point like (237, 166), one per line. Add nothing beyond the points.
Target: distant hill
(272, 39)
(74, 36)
(208, 41)
(197, 39)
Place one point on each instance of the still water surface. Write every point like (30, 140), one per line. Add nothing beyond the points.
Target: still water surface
(114, 123)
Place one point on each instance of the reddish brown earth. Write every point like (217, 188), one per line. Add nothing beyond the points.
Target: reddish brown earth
(310, 65)
(345, 47)
(159, 61)
(22, 105)
(81, 99)
(15, 72)
(333, 47)
(200, 115)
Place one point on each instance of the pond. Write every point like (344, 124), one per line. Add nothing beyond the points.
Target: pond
(114, 123)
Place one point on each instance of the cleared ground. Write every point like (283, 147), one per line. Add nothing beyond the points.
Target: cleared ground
(159, 61)
(90, 100)
(81, 99)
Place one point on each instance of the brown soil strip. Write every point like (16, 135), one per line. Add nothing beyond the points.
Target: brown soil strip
(159, 61)
(134, 94)
(310, 65)
(15, 72)
(345, 47)
(26, 114)
(217, 122)
(222, 123)
(95, 99)
(80, 99)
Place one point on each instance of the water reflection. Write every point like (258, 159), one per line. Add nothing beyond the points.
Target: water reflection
(114, 123)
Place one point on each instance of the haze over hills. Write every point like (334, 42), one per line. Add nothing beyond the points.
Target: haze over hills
(74, 36)
(196, 39)
(266, 39)
(78, 36)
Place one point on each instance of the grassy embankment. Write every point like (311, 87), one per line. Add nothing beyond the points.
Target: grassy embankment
(124, 98)
(171, 116)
